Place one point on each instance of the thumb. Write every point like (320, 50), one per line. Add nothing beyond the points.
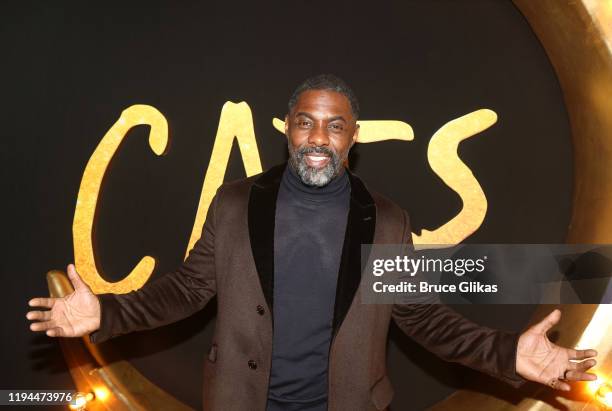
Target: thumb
(547, 323)
(75, 279)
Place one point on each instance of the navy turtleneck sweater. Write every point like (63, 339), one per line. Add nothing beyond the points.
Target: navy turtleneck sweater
(309, 230)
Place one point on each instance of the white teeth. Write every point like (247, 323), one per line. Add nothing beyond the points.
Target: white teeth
(317, 158)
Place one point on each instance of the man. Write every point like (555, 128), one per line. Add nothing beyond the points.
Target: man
(281, 250)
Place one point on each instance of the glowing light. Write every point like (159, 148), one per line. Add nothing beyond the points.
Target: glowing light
(601, 13)
(102, 393)
(80, 401)
(604, 394)
(596, 335)
(601, 390)
(593, 386)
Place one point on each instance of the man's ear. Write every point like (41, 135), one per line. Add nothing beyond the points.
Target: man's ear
(355, 135)
(287, 125)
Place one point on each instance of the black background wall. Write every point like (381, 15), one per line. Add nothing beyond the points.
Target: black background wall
(69, 69)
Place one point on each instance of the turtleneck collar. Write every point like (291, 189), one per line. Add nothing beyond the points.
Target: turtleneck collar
(338, 186)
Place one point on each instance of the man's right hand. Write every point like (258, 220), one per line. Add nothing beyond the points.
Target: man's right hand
(74, 315)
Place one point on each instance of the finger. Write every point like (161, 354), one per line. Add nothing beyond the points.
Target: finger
(563, 386)
(42, 302)
(39, 315)
(582, 354)
(547, 323)
(42, 326)
(581, 366)
(558, 385)
(585, 365)
(575, 375)
(74, 277)
(55, 332)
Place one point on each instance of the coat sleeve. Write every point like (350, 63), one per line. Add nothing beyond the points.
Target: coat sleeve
(454, 338)
(168, 298)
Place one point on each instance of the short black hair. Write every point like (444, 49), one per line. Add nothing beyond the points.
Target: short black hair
(326, 82)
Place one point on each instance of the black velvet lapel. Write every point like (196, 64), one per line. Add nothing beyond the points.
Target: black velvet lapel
(262, 213)
(359, 230)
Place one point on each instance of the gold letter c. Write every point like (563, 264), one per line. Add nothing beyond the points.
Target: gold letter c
(87, 200)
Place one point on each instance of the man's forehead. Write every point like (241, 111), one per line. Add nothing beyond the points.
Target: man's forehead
(322, 103)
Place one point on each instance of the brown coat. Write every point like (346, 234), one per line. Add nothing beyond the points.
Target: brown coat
(234, 260)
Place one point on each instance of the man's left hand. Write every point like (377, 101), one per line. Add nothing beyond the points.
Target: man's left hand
(539, 360)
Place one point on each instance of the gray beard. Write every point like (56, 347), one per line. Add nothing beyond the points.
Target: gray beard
(317, 177)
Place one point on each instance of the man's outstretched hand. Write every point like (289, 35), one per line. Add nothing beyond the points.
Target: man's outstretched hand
(539, 360)
(74, 315)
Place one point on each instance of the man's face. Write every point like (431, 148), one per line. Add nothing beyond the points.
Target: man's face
(320, 131)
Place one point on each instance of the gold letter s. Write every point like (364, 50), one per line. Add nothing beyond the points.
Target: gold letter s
(445, 162)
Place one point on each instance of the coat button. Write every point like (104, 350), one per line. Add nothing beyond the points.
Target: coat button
(260, 310)
(252, 364)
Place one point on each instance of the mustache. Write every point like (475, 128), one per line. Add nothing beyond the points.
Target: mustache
(316, 150)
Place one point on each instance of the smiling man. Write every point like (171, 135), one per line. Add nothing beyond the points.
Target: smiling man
(321, 129)
(281, 250)
(310, 224)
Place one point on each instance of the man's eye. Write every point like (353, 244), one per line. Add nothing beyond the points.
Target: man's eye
(336, 127)
(303, 123)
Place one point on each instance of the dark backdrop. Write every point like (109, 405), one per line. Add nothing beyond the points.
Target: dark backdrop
(69, 69)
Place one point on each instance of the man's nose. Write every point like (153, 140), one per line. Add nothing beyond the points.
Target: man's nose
(318, 136)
